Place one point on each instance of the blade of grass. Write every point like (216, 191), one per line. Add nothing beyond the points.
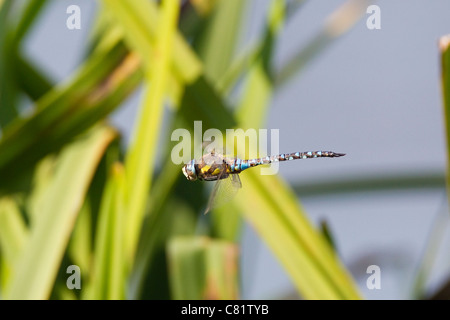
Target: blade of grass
(238, 67)
(11, 37)
(259, 89)
(327, 234)
(80, 247)
(98, 286)
(42, 178)
(187, 268)
(100, 86)
(176, 219)
(141, 19)
(155, 221)
(443, 292)
(202, 268)
(201, 102)
(227, 223)
(429, 255)
(193, 16)
(8, 89)
(253, 107)
(118, 257)
(30, 80)
(109, 260)
(141, 154)
(444, 46)
(13, 236)
(40, 258)
(58, 101)
(29, 13)
(222, 275)
(217, 43)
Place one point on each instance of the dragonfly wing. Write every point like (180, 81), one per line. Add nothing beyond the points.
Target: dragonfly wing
(224, 191)
(212, 196)
(236, 181)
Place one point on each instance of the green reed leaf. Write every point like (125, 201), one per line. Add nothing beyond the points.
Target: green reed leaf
(445, 69)
(141, 154)
(202, 268)
(42, 253)
(110, 260)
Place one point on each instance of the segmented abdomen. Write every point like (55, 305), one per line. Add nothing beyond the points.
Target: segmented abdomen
(239, 165)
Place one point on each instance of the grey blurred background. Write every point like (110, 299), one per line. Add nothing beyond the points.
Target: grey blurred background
(374, 95)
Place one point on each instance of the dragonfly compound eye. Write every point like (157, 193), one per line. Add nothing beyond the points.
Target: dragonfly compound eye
(189, 172)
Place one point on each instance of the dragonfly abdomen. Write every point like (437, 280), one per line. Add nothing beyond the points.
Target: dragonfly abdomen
(239, 165)
(306, 155)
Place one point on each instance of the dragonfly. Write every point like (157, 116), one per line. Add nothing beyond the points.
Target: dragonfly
(225, 171)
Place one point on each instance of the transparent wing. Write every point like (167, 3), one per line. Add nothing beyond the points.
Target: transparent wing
(236, 181)
(224, 191)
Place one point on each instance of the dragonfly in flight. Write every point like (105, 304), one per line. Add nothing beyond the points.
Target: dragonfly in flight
(225, 171)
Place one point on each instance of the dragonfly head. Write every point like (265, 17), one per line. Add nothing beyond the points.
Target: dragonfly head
(189, 171)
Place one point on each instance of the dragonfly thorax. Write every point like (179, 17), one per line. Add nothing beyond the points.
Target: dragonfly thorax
(210, 167)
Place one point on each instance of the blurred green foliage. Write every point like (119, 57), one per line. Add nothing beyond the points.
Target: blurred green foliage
(71, 195)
